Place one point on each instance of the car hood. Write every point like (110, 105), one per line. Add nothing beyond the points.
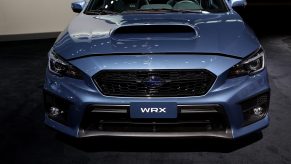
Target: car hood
(224, 33)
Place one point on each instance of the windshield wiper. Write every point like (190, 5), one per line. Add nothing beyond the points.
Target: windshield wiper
(101, 12)
(166, 10)
(105, 12)
(188, 11)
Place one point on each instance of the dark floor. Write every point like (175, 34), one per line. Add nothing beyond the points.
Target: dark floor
(24, 138)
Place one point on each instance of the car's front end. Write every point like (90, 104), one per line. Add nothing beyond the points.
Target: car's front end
(157, 74)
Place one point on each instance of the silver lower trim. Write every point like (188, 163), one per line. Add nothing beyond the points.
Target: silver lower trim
(209, 108)
(220, 134)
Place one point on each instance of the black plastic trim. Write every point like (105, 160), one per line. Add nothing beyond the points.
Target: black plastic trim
(94, 78)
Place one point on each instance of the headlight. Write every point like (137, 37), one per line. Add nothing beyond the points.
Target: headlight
(60, 67)
(249, 66)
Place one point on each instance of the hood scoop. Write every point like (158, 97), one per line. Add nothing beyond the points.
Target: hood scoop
(154, 32)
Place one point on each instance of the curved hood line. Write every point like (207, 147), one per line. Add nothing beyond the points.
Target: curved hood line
(165, 53)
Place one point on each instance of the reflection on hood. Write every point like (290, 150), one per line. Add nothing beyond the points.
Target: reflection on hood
(156, 33)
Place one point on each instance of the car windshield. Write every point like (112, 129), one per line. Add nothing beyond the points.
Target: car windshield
(145, 6)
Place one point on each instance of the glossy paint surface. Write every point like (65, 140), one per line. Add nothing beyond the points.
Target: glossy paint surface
(223, 33)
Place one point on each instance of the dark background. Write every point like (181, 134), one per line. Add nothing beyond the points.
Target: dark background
(25, 139)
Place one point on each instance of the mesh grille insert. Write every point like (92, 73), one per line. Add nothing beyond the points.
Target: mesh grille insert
(154, 83)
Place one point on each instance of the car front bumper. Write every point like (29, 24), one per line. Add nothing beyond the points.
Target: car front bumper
(229, 96)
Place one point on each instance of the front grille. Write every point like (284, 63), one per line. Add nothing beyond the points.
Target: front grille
(190, 119)
(154, 83)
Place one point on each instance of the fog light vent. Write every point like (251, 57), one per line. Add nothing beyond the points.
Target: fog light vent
(255, 109)
(56, 108)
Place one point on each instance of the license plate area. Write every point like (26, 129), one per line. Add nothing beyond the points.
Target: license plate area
(153, 110)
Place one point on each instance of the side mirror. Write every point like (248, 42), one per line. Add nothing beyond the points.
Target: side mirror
(238, 3)
(78, 6)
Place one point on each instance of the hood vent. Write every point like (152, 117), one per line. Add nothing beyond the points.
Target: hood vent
(154, 32)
